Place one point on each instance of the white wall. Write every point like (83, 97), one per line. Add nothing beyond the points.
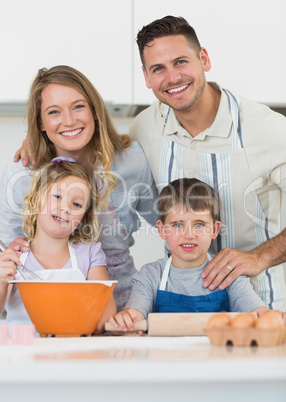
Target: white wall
(245, 40)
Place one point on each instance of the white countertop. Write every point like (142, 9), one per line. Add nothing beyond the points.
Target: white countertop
(150, 361)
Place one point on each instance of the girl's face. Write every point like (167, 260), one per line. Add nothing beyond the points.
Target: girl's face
(64, 207)
(67, 119)
(188, 235)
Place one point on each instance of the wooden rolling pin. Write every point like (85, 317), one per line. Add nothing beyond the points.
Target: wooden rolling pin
(171, 324)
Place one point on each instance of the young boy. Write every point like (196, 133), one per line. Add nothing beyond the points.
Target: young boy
(188, 221)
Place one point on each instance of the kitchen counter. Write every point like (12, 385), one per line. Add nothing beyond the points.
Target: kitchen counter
(141, 368)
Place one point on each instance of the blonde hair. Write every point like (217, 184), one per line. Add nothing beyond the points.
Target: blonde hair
(105, 140)
(87, 230)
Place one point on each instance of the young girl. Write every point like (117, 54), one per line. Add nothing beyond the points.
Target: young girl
(60, 223)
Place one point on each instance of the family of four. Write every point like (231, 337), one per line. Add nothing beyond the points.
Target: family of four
(218, 159)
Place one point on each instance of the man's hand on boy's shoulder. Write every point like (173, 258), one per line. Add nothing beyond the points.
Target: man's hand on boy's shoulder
(227, 266)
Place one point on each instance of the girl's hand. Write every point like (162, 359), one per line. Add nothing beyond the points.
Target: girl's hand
(8, 265)
(19, 244)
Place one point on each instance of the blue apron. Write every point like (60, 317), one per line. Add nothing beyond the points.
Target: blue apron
(170, 302)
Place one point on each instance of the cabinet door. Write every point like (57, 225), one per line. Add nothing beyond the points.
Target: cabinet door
(245, 41)
(92, 36)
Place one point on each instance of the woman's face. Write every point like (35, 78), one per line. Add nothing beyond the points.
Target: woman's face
(67, 119)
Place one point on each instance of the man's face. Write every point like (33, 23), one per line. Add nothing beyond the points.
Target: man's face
(175, 72)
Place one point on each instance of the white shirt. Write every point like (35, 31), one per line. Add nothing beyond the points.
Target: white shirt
(264, 147)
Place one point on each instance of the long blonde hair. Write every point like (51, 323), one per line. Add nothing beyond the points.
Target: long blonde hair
(87, 230)
(105, 140)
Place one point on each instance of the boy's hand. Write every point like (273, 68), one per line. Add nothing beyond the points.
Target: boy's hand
(19, 244)
(125, 319)
(279, 312)
(8, 265)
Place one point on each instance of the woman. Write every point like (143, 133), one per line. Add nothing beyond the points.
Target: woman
(67, 117)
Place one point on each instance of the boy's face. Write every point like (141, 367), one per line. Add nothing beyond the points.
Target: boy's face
(188, 234)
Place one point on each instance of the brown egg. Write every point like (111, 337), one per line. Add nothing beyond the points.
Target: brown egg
(243, 320)
(220, 320)
(270, 320)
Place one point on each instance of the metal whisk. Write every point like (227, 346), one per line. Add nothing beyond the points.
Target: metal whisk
(27, 275)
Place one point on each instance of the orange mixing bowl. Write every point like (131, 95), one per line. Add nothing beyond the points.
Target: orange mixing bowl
(65, 308)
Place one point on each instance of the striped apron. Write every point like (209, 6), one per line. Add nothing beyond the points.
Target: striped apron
(238, 199)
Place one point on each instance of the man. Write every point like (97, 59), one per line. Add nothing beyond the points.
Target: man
(197, 129)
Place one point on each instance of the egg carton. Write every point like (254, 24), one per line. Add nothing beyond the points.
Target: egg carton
(246, 337)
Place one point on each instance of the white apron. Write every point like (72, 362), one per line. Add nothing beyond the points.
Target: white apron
(177, 161)
(16, 312)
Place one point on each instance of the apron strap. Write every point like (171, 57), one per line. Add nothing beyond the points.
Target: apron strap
(166, 271)
(23, 257)
(73, 257)
(233, 104)
(165, 275)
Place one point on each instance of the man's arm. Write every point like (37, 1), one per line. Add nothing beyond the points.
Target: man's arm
(24, 154)
(229, 264)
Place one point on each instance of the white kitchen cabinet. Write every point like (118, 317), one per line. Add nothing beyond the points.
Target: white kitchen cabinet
(245, 41)
(92, 36)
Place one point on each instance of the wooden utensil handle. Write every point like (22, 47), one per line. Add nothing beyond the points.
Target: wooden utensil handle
(178, 324)
(139, 325)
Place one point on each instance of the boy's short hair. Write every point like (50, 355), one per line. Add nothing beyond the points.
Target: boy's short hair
(167, 26)
(190, 194)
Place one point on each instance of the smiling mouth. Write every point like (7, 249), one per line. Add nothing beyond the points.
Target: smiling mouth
(71, 133)
(58, 219)
(188, 245)
(178, 89)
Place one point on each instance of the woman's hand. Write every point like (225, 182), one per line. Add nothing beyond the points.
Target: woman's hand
(24, 154)
(19, 244)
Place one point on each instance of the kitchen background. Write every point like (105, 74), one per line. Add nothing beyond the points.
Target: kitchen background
(245, 40)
